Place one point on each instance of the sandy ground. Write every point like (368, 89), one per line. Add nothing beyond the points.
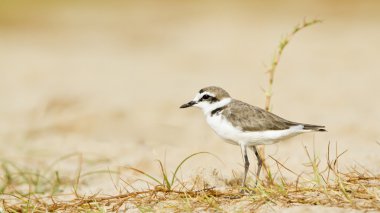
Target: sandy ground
(107, 80)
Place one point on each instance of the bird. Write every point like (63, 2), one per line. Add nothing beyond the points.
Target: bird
(242, 124)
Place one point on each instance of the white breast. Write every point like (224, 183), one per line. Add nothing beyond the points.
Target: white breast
(227, 131)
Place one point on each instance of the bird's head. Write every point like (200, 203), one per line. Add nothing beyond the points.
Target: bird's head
(209, 98)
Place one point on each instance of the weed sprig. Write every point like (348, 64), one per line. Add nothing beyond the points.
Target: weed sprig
(284, 42)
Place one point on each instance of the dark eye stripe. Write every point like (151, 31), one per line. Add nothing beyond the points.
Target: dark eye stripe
(209, 98)
(204, 97)
(213, 99)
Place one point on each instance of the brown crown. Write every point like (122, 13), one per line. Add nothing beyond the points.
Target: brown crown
(217, 91)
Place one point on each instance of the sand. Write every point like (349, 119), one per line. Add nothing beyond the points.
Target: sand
(106, 81)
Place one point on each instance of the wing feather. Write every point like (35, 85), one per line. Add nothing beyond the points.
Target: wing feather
(251, 118)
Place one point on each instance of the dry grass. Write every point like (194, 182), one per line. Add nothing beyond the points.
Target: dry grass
(326, 186)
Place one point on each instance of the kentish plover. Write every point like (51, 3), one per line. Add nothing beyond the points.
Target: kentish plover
(245, 125)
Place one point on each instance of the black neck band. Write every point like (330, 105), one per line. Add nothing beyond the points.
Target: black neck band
(217, 110)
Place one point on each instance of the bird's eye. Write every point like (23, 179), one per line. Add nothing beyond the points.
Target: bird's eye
(206, 97)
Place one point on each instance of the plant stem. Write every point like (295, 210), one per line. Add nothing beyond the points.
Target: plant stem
(271, 71)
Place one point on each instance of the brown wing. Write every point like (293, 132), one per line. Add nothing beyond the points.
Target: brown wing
(251, 118)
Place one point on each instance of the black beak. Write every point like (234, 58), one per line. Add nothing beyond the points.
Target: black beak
(191, 103)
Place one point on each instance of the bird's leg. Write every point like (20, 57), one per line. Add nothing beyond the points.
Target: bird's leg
(246, 163)
(259, 163)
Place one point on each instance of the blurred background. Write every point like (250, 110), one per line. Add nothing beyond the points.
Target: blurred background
(106, 79)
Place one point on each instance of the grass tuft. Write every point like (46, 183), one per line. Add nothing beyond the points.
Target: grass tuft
(166, 183)
(328, 186)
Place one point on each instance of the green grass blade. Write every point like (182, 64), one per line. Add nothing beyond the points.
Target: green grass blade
(145, 174)
(183, 161)
(166, 182)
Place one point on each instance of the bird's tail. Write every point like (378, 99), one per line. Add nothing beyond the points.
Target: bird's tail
(314, 127)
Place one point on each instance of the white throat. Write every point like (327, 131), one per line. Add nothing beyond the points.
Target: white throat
(207, 107)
